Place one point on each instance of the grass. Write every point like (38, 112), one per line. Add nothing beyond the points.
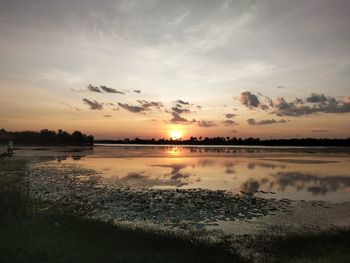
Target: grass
(331, 246)
(14, 198)
(27, 235)
(70, 239)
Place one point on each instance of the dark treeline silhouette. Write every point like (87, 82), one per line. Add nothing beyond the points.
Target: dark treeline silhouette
(235, 141)
(47, 137)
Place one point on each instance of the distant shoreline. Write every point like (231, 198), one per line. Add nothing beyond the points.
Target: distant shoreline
(236, 142)
(219, 146)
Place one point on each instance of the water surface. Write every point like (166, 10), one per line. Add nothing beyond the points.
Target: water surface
(285, 172)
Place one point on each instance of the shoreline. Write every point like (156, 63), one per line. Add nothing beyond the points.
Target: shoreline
(256, 223)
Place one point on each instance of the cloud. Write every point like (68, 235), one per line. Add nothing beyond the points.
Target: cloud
(316, 98)
(183, 102)
(111, 90)
(71, 107)
(317, 104)
(180, 110)
(144, 106)
(313, 104)
(137, 91)
(206, 124)
(94, 105)
(107, 116)
(94, 88)
(230, 115)
(148, 104)
(132, 108)
(265, 122)
(229, 123)
(177, 118)
(249, 99)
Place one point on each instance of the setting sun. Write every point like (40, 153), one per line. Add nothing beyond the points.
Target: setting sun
(175, 134)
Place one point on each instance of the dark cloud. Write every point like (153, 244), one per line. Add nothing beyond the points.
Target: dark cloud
(137, 91)
(94, 105)
(316, 98)
(132, 108)
(148, 104)
(249, 99)
(319, 104)
(177, 118)
(181, 107)
(230, 115)
(94, 88)
(111, 90)
(183, 102)
(265, 122)
(180, 110)
(206, 124)
(144, 106)
(315, 103)
(229, 123)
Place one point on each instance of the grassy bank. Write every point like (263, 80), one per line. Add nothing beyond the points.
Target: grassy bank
(27, 235)
(332, 246)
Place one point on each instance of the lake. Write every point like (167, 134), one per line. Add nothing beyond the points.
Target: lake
(281, 172)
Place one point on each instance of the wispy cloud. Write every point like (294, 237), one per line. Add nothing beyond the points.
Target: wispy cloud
(111, 90)
(229, 122)
(230, 115)
(94, 105)
(132, 108)
(265, 122)
(94, 88)
(102, 88)
(71, 107)
(206, 124)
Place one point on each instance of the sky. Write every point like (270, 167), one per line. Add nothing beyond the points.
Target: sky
(155, 69)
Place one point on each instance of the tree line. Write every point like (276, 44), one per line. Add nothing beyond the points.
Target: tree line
(49, 137)
(235, 141)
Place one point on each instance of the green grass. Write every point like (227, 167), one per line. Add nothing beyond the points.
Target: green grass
(14, 198)
(331, 246)
(55, 238)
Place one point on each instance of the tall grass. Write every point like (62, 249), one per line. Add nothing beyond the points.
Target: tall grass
(14, 197)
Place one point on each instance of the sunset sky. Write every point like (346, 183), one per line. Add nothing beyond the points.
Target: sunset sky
(119, 69)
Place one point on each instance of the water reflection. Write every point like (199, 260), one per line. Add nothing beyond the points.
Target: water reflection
(300, 176)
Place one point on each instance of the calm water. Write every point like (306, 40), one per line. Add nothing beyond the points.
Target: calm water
(295, 173)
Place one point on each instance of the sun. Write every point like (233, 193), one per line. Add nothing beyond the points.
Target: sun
(175, 134)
